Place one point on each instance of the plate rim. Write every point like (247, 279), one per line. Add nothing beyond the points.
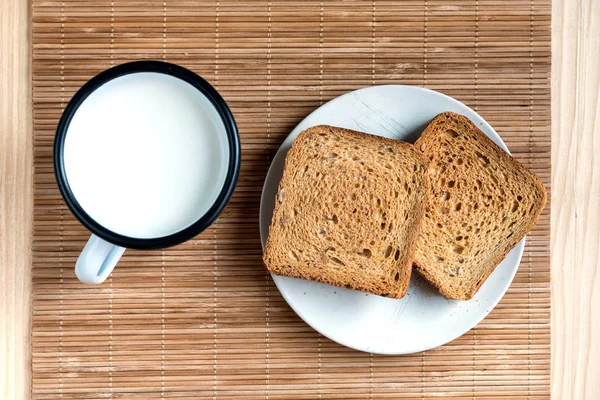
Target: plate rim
(278, 279)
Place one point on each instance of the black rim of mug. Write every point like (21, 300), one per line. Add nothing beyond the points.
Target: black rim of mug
(232, 171)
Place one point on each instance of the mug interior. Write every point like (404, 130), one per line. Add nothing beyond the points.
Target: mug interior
(146, 155)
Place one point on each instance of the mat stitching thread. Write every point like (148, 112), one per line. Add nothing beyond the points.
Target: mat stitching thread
(422, 375)
(61, 227)
(214, 330)
(215, 276)
(373, 43)
(424, 84)
(476, 106)
(476, 53)
(110, 335)
(321, 19)
(112, 32)
(162, 253)
(217, 45)
(371, 375)
(372, 83)
(60, 312)
(321, 13)
(267, 276)
(164, 31)
(110, 280)
(425, 20)
(162, 326)
(529, 144)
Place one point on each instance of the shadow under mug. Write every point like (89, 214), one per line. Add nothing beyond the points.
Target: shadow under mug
(105, 247)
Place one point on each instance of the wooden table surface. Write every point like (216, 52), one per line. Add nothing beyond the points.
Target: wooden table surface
(575, 194)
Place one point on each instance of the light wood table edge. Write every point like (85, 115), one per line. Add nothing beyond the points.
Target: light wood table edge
(575, 239)
(16, 199)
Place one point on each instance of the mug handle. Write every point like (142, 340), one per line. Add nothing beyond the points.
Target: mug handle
(97, 260)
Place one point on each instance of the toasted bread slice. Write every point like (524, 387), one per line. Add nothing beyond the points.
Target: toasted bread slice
(481, 203)
(347, 211)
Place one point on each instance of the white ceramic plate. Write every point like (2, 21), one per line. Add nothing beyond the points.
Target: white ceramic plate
(423, 319)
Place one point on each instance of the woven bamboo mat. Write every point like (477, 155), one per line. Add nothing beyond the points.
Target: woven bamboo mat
(204, 320)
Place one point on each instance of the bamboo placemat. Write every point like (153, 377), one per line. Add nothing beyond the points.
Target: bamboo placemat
(204, 320)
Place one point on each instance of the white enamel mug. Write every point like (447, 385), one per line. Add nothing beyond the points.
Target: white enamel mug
(146, 156)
